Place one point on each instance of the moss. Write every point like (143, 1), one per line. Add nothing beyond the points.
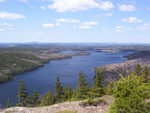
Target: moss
(67, 111)
(11, 111)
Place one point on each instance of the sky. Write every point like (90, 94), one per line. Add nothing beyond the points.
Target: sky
(113, 21)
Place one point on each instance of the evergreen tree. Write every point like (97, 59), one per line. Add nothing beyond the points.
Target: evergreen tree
(22, 94)
(34, 99)
(59, 91)
(130, 94)
(97, 89)
(138, 70)
(68, 93)
(109, 89)
(47, 99)
(82, 89)
(98, 78)
(8, 103)
(146, 74)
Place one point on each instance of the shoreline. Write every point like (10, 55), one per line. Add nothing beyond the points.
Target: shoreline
(42, 63)
(55, 56)
(113, 72)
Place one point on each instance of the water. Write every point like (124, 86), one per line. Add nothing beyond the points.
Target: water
(43, 78)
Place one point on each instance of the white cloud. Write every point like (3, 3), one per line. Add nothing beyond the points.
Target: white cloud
(77, 5)
(127, 7)
(107, 5)
(82, 25)
(88, 25)
(64, 20)
(143, 27)
(43, 7)
(119, 28)
(48, 25)
(6, 15)
(132, 20)
(6, 27)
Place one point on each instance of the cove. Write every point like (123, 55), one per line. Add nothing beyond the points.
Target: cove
(43, 79)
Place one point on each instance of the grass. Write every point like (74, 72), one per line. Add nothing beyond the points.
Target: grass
(11, 111)
(67, 111)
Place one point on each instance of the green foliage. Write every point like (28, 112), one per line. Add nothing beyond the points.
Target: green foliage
(8, 103)
(98, 78)
(138, 69)
(34, 99)
(59, 91)
(130, 94)
(47, 99)
(96, 92)
(97, 89)
(82, 88)
(22, 94)
(68, 93)
(12, 63)
(109, 89)
(146, 74)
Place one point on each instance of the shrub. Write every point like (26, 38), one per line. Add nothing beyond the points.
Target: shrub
(130, 94)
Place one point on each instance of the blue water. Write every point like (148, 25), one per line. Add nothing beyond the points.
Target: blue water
(43, 78)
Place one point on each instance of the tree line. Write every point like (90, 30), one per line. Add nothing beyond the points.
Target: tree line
(61, 94)
(131, 93)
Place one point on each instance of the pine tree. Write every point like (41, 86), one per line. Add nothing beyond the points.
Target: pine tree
(82, 89)
(98, 78)
(22, 94)
(138, 70)
(68, 93)
(59, 91)
(97, 89)
(8, 103)
(47, 99)
(34, 99)
(146, 74)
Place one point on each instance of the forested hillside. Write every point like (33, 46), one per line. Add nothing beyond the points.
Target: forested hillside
(14, 63)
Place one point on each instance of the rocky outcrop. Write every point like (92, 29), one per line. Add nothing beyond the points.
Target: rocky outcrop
(71, 107)
(114, 71)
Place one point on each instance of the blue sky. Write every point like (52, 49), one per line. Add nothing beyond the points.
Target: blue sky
(119, 21)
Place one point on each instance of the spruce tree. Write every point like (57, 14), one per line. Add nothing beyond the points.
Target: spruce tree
(47, 99)
(97, 89)
(59, 91)
(34, 99)
(22, 94)
(8, 103)
(138, 70)
(98, 78)
(146, 74)
(68, 93)
(82, 88)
